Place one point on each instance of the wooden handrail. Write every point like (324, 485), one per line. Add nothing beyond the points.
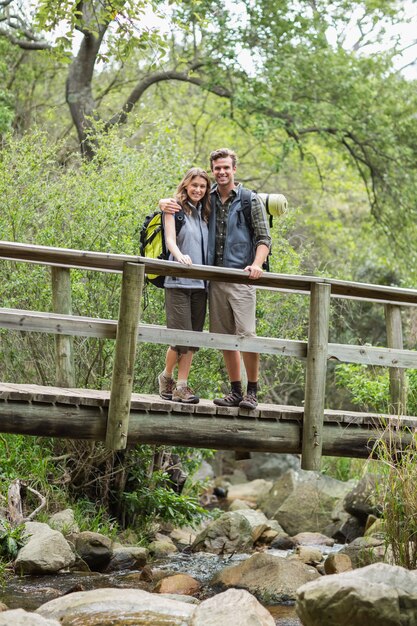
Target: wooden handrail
(107, 262)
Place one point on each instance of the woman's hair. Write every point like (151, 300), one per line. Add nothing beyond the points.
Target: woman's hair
(181, 193)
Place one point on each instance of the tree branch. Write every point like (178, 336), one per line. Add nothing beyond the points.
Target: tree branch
(25, 44)
(158, 77)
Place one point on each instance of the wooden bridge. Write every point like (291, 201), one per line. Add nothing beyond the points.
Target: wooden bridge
(120, 417)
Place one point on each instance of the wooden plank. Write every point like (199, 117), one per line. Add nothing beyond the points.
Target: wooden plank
(315, 385)
(62, 303)
(398, 389)
(369, 355)
(124, 358)
(114, 262)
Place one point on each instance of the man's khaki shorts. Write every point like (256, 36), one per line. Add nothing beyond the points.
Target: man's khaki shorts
(232, 309)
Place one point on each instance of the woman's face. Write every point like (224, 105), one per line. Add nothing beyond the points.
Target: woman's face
(196, 189)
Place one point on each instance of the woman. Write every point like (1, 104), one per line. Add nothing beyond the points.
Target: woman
(186, 298)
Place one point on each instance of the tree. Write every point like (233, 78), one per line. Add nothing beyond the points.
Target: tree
(300, 81)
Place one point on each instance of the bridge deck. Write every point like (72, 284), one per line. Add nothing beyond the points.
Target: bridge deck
(83, 414)
(154, 404)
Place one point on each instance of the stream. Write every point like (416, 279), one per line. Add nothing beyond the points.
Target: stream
(29, 592)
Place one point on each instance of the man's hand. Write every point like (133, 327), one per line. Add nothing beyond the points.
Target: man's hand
(169, 205)
(255, 271)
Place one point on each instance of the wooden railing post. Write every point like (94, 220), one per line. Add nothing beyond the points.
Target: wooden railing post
(62, 303)
(397, 380)
(315, 385)
(124, 358)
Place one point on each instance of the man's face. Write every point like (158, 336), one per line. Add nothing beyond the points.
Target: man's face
(224, 171)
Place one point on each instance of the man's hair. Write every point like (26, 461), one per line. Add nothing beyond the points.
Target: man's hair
(222, 153)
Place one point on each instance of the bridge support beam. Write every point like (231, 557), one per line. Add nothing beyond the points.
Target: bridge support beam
(62, 303)
(315, 385)
(397, 379)
(124, 358)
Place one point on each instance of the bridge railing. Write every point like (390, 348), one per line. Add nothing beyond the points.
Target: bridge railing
(127, 330)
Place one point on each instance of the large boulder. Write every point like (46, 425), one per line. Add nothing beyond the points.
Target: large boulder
(230, 533)
(269, 465)
(117, 607)
(46, 551)
(235, 606)
(361, 501)
(303, 501)
(269, 578)
(250, 492)
(377, 594)
(94, 549)
(367, 550)
(19, 617)
(64, 521)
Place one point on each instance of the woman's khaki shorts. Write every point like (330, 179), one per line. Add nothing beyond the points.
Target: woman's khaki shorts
(232, 309)
(185, 310)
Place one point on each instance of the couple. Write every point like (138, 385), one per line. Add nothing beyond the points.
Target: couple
(215, 232)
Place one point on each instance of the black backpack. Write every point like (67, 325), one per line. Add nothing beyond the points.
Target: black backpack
(246, 199)
(152, 241)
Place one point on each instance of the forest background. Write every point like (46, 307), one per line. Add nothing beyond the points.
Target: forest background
(101, 114)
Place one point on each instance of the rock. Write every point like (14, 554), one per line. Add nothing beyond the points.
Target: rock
(239, 505)
(257, 520)
(309, 555)
(127, 558)
(64, 521)
(234, 606)
(349, 529)
(337, 563)
(377, 594)
(162, 546)
(283, 542)
(93, 548)
(204, 472)
(365, 551)
(178, 583)
(46, 551)
(303, 501)
(269, 578)
(269, 465)
(251, 491)
(313, 539)
(3, 607)
(183, 536)
(361, 500)
(231, 532)
(117, 607)
(19, 617)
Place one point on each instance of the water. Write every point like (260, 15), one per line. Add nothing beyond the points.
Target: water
(29, 592)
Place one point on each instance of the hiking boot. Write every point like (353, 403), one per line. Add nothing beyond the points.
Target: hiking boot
(232, 399)
(185, 394)
(249, 402)
(166, 386)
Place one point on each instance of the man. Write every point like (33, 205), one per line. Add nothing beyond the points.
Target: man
(234, 243)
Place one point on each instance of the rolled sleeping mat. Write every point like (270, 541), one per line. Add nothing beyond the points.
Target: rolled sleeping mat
(275, 203)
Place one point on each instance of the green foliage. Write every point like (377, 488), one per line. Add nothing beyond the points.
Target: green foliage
(397, 494)
(150, 496)
(11, 540)
(94, 517)
(369, 387)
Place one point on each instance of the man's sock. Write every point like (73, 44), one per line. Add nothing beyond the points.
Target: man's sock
(252, 388)
(181, 382)
(236, 386)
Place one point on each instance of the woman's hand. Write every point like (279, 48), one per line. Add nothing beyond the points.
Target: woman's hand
(184, 258)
